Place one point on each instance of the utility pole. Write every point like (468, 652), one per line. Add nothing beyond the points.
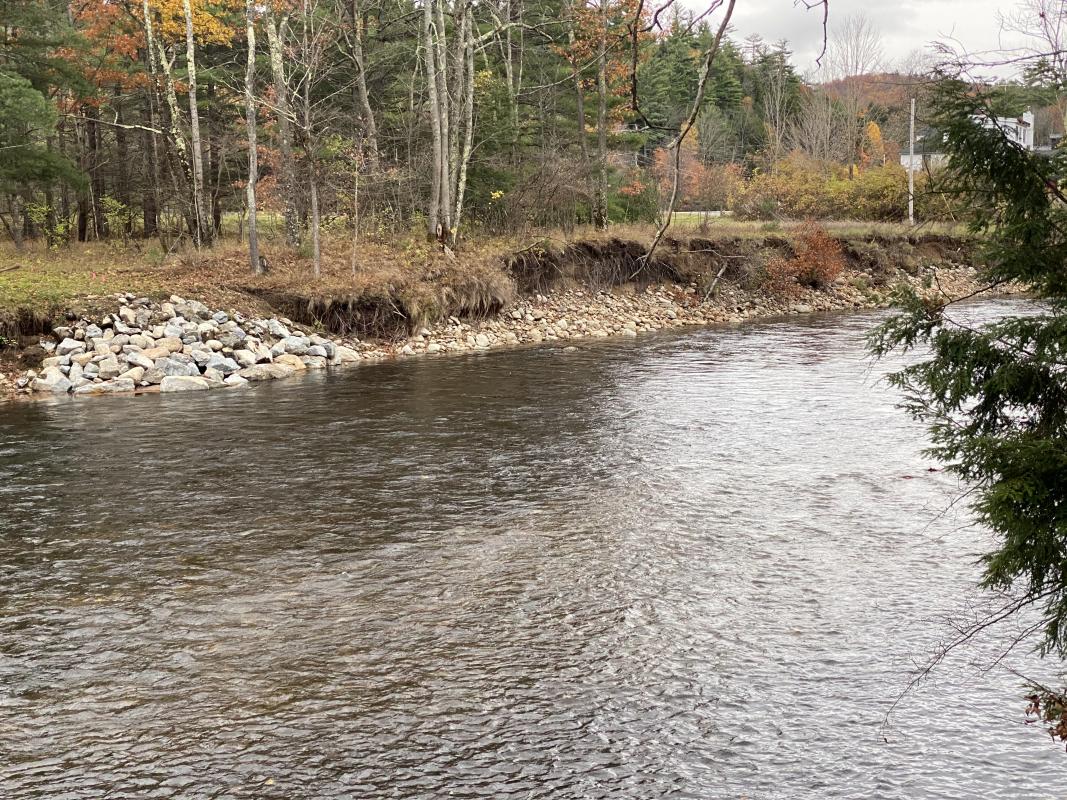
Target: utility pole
(911, 167)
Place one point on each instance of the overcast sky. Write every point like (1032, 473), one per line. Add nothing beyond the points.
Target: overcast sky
(905, 25)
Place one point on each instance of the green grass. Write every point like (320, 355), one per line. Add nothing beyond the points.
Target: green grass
(41, 280)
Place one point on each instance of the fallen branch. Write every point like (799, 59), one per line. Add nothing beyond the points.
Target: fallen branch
(714, 283)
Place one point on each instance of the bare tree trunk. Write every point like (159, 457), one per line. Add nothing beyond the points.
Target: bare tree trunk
(284, 114)
(370, 127)
(579, 93)
(600, 197)
(316, 253)
(444, 121)
(250, 125)
(467, 67)
(454, 77)
(687, 126)
(355, 212)
(64, 200)
(96, 178)
(150, 177)
(15, 228)
(179, 173)
(433, 220)
(122, 178)
(215, 160)
(579, 90)
(203, 232)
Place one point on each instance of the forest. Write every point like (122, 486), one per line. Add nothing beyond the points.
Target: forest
(174, 119)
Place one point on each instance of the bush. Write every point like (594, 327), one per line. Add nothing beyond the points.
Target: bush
(818, 262)
(800, 188)
(634, 199)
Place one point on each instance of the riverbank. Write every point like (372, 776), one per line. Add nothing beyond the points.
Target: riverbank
(275, 327)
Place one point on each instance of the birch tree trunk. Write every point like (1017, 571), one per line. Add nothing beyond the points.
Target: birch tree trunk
(433, 217)
(284, 115)
(468, 119)
(203, 232)
(600, 197)
(250, 125)
(444, 122)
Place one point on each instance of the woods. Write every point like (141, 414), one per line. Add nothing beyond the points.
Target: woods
(186, 121)
(176, 120)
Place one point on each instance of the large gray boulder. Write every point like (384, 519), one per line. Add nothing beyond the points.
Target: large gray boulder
(172, 343)
(246, 358)
(109, 368)
(52, 380)
(295, 345)
(192, 309)
(202, 357)
(232, 338)
(276, 329)
(177, 366)
(266, 372)
(183, 383)
(171, 367)
(116, 386)
(128, 316)
(68, 346)
(226, 366)
(140, 360)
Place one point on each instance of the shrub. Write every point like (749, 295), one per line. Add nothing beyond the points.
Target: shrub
(818, 262)
(800, 188)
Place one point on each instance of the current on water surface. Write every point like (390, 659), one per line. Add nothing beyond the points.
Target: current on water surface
(691, 565)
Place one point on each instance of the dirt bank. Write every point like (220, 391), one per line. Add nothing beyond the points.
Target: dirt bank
(542, 292)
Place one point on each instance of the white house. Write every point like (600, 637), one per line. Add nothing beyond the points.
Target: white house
(1019, 129)
(923, 161)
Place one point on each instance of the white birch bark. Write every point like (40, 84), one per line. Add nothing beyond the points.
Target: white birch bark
(204, 231)
(250, 124)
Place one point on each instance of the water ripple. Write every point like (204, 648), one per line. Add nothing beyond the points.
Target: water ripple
(690, 566)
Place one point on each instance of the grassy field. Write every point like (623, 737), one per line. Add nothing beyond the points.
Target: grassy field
(728, 227)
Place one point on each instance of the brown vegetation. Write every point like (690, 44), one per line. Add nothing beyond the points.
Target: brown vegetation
(818, 261)
(388, 289)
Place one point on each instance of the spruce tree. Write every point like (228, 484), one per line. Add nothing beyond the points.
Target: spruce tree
(995, 395)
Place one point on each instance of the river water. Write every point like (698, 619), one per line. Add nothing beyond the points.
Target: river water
(696, 565)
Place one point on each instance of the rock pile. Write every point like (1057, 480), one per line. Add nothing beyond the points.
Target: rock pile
(182, 345)
(177, 346)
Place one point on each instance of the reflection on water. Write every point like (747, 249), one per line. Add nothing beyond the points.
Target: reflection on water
(695, 565)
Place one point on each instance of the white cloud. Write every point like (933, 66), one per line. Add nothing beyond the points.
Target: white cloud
(906, 26)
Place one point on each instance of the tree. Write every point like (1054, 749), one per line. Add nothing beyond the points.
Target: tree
(253, 141)
(778, 89)
(26, 120)
(995, 396)
(1044, 25)
(855, 50)
(203, 232)
(819, 130)
(276, 31)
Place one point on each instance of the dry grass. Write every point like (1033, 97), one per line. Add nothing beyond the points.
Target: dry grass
(397, 283)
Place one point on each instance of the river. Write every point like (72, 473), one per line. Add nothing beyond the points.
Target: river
(691, 565)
